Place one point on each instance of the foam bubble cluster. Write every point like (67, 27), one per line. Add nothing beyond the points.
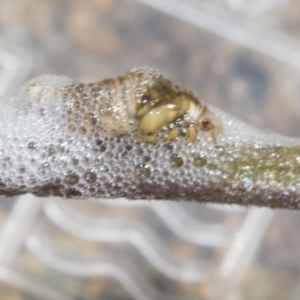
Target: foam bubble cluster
(62, 138)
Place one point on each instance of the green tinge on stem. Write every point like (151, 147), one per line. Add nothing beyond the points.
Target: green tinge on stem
(264, 176)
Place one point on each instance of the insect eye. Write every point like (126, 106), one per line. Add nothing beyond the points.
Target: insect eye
(207, 124)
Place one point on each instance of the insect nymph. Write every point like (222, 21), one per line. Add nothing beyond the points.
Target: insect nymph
(140, 102)
(138, 136)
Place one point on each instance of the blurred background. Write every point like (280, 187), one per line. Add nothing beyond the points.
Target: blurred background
(240, 55)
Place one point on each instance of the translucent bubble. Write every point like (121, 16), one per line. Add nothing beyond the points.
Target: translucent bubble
(142, 171)
(32, 146)
(90, 119)
(75, 160)
(90, 177)
(45, 165)
(200, 159)
(72, 128)
(220, 150)
(176, 161)
(99, 160)
(72, 179)
(22, 169)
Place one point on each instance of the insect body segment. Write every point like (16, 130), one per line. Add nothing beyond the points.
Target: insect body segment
(166, 105)
(141, 102)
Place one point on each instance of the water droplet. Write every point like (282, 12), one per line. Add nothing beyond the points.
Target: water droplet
(96, 90)
(75, 160)
(90, 177)
(72, 179)
(99, 160)
(86, 159)
(142, 171)
(51, 151)
(72, 128)
(45, 165)
(61, 147)
(32, 146)
(76, 105)
(176, 161)
(90, 119)
(105, 109)
(200, 159)
(220, 150)
(22, 169)
(79, 87)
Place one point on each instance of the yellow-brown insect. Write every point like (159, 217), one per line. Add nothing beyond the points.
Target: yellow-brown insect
(140, 102)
